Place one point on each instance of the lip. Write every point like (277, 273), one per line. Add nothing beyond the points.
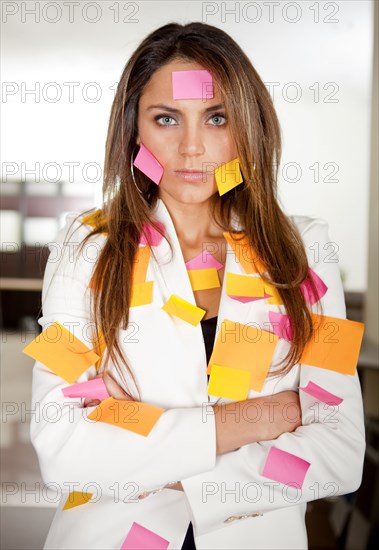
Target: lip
(191, 175)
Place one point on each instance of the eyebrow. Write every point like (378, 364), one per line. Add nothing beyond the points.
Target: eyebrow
(172, 110)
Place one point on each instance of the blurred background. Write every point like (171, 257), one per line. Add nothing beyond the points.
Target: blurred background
(60, 64)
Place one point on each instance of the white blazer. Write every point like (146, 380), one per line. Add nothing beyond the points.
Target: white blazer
(229, 502)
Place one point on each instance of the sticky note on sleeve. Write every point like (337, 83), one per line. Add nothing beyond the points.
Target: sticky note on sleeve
(141, 538)
(76, 498)
(134, 416)
(62, 352)
(321, 394)
(335, 345)
(94, 389)
(285, 467)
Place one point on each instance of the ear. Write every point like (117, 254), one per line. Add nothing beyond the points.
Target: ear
(138, 141)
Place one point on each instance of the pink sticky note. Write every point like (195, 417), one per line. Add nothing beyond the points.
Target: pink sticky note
(150, 235)
(95, 389)
(307, 291)
(140, 538)
(192, 85)
(321, 394)
(285, 467)
(281, 325)
(245, 299)
(148, 164)
(203, 261)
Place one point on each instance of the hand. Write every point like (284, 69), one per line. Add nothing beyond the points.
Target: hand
(113, 388)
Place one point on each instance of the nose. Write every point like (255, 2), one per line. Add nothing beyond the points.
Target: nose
(191, 141)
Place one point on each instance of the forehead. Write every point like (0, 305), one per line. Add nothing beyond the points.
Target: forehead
(160, 85)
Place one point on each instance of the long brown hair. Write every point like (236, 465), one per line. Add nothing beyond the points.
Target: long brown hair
(255, 127)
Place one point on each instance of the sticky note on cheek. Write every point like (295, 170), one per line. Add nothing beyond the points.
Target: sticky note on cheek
(285, 467)
(148, 164)
(192, 85)
(228, 176)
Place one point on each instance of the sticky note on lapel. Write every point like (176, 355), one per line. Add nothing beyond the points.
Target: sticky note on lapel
(184, 310)
(244, 253)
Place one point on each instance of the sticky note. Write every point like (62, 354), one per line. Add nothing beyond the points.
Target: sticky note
(244, 252)
(141, 263)
(95, 389)
(148, 164)
(285, 467)
(244, 347)
(204, 260)
(76, 498)
(229, 383)
(192, 84)
(131, 415)
(244, 286)
(202, 279)
(307, 290)
(245, 299)
(62, 352)
(150, 235)
(184, 310)
(275, 297)
(228, 176)
(335, 345)
(281, 325)
(142, 294)
(96, 220)
(321, 394)
(141, 538)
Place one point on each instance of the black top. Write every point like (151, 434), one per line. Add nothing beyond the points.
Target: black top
(208, 327)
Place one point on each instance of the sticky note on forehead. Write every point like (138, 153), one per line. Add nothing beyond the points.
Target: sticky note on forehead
(192, 84)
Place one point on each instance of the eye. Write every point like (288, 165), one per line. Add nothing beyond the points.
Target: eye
(165, 118)
(219, 118)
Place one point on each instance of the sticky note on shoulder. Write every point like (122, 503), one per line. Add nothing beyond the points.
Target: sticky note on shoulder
(62, 352)
(192, 84)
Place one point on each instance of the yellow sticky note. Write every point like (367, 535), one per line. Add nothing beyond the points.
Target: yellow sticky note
(335, 345)
(184, 310)
(242, 285)
(275, 296)
(244, 252)
(228, 176)
(229, 383)
(76, 498)
(244, 347)
(142, 294)
(61, 352)
(96, 220)
(141, 263)
(131, 415)
(203, 278)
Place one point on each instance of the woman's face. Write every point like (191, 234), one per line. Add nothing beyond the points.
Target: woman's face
(184, 134)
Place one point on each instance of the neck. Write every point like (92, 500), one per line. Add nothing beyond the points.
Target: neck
(193, 223)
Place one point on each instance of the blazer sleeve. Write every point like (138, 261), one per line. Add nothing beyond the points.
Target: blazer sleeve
(331, 439)
(75, 452)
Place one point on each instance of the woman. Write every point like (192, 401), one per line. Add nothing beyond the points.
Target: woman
(166, 457)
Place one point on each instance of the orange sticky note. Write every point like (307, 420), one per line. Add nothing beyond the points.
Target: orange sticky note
(335, 345)
(131, 415)
(184, 310)
(229, 383)
(76, 498)
(244, 252)
(141, 263)
(96, 220)
(203, 278)
(244, 347)
(243, 285)
(228, 176)
(142, 294)
(61, 352)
